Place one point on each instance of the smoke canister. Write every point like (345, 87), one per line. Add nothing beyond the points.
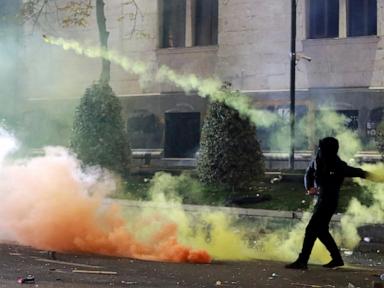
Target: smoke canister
(30, 279)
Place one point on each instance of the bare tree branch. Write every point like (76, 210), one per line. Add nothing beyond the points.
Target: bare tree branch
(76, 13)
(72, 12)
(133, 15)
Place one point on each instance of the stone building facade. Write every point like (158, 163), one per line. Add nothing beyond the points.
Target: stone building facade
(245, 42)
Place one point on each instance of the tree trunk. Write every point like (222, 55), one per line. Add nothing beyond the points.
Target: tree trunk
(105, 75)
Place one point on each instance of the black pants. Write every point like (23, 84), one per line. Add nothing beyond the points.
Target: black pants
(318, 227)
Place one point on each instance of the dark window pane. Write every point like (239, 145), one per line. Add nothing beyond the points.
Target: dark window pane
(333, 18)
(206, 22)
(323, 18)
(317, 16)
(173, 23)
(372, 18)
(356, 17)
(182, 134)
(362, 17)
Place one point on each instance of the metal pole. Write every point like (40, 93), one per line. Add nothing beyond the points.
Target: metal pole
(292, 85)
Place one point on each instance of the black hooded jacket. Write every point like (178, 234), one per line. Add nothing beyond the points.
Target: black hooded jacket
(327, 172)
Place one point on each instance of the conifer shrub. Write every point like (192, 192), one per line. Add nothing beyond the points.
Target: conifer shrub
(99, 136)
(380, 139)
(230, 154)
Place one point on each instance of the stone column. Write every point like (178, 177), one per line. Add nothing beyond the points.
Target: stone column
(189, 23)
(342, 18)
(302, 23)
(380, 17)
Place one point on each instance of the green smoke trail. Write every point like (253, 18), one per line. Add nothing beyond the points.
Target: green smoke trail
(210, 88)
(135, 67)
(327, 123)
(310, 129)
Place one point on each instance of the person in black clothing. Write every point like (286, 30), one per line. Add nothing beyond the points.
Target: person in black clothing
(323, 178)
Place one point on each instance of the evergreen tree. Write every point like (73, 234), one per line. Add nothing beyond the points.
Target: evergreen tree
(380, 139)
(230, 153)
(99, 137)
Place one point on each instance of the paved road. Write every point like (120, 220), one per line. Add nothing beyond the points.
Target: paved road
(17, 261)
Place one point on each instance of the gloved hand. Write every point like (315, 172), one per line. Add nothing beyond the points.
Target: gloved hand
(312, 191)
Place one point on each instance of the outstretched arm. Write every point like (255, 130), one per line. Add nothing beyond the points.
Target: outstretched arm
(350, 171)
(375, 173)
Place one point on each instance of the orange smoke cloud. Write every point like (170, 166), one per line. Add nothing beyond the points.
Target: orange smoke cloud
(49, 203)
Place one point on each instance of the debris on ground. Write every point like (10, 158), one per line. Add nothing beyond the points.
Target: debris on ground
(66, 263)
(94, 272)
(273, 276)
(276, 179)
(367, 239)
(128, 282)
(58, 270)
(313, 285)
(30, 279)
(218, 283)
(350, 285)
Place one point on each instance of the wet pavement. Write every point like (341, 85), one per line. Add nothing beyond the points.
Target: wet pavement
(73, 270)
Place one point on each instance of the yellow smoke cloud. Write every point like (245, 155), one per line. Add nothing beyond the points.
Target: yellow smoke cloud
(376, 173)
(223, 235)
(333, 124)
(226, 237)
(330, 123)
(358, 214)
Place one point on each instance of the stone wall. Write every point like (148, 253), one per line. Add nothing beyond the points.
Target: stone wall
(252, 52)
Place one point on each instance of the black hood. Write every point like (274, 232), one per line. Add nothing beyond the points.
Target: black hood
(328, 148)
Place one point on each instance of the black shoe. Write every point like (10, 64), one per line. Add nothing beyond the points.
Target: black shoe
(297, 265)
(334, 263)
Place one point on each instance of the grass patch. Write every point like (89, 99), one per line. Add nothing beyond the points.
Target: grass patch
(291, 196)
(351, 190)
(288, 195)
(136, 188)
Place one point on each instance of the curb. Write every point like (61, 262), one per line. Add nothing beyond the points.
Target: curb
(229, 210)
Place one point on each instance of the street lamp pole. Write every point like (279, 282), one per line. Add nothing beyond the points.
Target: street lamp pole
(292, 85)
